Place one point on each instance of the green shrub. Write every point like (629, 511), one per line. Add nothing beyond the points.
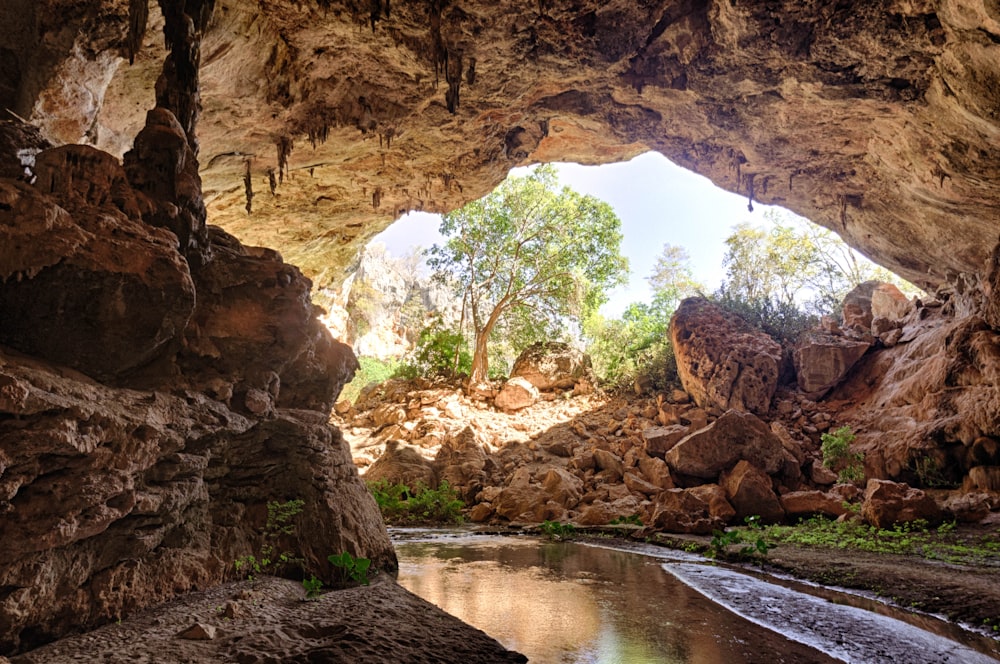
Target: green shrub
(270, 559)
(372, 371)
(401, 505)
(440, 351)
(312, 586)
(752, 540)
(637, 344)
(783, 321)
(837, 455)
(913, 538)
(557, 531)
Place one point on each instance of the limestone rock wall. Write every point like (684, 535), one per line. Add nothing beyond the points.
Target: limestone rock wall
(156, 393)
(875, 120)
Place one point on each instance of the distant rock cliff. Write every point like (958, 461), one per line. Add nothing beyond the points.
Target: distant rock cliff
(385, 302)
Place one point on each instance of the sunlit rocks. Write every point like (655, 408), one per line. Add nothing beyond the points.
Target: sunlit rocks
(722, 361)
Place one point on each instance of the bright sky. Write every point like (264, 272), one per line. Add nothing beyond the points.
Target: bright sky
(658, 203)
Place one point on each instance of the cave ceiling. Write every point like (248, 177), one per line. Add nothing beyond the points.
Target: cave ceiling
(880, 121)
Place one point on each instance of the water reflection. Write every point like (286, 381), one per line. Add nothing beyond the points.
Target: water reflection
(565, 602)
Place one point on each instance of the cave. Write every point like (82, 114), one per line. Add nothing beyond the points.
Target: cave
(159, 352)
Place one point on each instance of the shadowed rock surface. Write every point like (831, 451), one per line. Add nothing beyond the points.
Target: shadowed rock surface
(878, 121)
(162, 382)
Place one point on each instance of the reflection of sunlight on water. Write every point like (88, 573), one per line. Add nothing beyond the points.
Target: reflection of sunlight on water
(569, 603)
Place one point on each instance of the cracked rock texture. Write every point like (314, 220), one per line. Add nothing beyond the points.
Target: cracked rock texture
(162, 380)
(880, 121)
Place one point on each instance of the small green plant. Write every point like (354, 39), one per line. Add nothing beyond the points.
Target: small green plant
(752, 538)
(915, 538)
(351, 568)
(402, 506)
(930, 473)
(313, 587)
(557, 531)
(837, 455)
(279, 523)
(371, 370)
(630, 520)
(440, 351)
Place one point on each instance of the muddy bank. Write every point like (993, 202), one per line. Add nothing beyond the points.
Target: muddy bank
(961, 593)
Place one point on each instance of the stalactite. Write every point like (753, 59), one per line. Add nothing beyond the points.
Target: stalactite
(453, 75)
(470, 73)
(138, 17)
(248, 187)
(272, 181)
(284, 146)
(177, 88)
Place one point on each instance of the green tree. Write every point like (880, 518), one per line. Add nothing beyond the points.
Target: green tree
(672, 279)
(768, 264)
(777, 266)
(529, 249)
(637, 344)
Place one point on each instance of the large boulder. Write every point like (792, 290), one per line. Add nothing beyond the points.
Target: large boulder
(685, 511)
(460, 462)
(722, 361)
(810, 502)
(551, 365)
(563, 487)
(871, 300)
(822, 361)
(721, 445)
(516, 394)
(660, 440)
(887, 503)
(87, 285)
(750, 492)
(402, 464)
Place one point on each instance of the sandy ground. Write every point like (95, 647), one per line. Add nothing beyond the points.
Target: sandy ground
(269, 621)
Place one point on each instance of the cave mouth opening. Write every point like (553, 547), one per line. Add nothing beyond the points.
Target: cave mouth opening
(666, 211)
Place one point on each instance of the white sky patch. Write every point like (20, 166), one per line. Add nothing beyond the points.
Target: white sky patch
(658, 203)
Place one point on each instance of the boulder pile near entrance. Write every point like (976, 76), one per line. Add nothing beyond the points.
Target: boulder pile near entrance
(683, 460)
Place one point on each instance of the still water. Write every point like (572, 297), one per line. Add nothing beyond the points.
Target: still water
(563, 602)
(566, 602)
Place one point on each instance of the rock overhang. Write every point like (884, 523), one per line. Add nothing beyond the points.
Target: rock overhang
(879, 122)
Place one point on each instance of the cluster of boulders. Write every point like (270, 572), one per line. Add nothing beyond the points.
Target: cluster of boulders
(737, 441)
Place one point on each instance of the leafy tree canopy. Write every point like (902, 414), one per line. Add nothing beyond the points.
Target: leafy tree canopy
(672, 279)
(529, 251)
(788, 263)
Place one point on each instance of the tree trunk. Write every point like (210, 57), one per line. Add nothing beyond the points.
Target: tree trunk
(480, 360)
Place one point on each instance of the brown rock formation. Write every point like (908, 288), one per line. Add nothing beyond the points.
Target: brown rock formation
(874, 120)
(822, 361)
(117, 498)
(887, 503)
(733, 437)
(551, 366)
(749, 490)
(722, 361)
